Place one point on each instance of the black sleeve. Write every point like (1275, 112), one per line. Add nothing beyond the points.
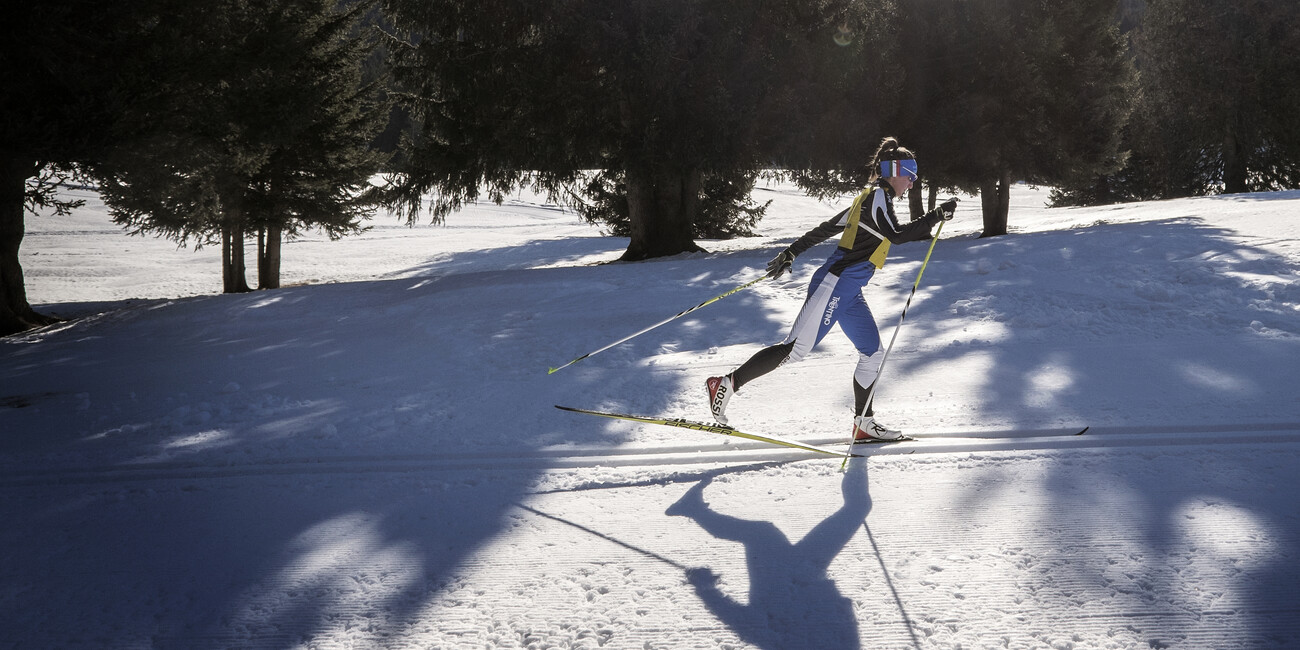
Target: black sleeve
(823, 231)
(887, 222)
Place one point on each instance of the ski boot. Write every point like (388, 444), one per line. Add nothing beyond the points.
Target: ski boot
(720, 390)
(866, 429)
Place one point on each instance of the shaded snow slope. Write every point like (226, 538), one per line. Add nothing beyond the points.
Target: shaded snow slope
(369, 457)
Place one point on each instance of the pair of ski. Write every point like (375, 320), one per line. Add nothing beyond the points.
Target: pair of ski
(729, 431)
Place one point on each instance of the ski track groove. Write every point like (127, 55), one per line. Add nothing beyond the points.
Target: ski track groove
(727, 451)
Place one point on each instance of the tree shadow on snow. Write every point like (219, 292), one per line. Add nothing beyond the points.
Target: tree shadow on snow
(315, 463)
(1171, 544)
(276, 478)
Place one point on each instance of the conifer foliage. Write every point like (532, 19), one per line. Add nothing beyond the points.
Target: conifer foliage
(986, 93)
(258, 125)
(1224, 79)
(1008, 90)
(1215, 110)
(658, 93)
(228, 119)
(57, 106)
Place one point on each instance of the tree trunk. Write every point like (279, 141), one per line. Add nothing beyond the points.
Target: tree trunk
(261, 256)
(1004, 200)
(1102, 194)
(916, 201)
(1234, 164)
(995, 199)
(934, 197)
(662, 204)
(232, 250)
(16, 315)
(268, 256)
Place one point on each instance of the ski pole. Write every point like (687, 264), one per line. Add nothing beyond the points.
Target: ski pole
(872, 392)
(666, 320)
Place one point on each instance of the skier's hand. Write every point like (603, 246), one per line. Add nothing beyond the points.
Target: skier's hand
(944, 212)
(949, 208)
(780, 264)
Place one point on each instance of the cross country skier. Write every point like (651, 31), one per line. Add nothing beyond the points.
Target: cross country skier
(868, 228)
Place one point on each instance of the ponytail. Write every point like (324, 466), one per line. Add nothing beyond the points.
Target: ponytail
(887, 147)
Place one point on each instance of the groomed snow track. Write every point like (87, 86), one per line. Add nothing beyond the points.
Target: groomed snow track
(710, 449)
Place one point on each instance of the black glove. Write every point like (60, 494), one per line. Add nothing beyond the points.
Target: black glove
(780, 264)
(944, 212)
(949, 208)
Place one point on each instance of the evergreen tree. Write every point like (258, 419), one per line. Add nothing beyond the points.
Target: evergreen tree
(1223, 79)
(1216, 116)
(857, 84)
(258, 125)
(1130, 14)
(931, 30)
(1027, 90)
(318, 172)
(57, 109)
(995, 91)
(663, 92)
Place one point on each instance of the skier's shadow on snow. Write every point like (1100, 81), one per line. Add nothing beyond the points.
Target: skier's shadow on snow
(793, 603)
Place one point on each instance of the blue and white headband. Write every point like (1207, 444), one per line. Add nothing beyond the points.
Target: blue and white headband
(892, 168)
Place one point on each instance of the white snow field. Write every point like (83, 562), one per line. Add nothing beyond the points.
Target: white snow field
(369, 457)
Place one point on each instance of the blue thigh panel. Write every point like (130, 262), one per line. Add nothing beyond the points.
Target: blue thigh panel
(859, 325)
(835, 299)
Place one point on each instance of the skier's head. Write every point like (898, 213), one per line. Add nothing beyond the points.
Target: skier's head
(895, 164)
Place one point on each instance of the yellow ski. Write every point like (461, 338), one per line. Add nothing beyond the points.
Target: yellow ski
(713, 428)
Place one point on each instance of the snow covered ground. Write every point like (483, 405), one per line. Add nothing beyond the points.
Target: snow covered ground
(369, 457)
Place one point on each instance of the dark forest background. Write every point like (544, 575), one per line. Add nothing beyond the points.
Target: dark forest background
(222, 122)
